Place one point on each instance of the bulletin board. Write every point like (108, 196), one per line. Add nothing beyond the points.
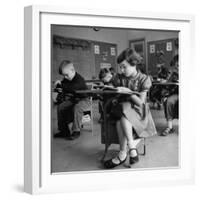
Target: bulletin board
(160, 52)
(105, 55)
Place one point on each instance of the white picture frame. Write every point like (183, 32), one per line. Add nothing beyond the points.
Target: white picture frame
(37, 141)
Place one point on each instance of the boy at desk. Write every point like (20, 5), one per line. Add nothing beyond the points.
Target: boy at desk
(70, 106)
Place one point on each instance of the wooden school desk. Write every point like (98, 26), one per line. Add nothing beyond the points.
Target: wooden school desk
(108, 136)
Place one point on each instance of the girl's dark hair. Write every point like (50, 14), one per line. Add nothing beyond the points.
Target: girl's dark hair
(103, 73)
(130, 55)
(62, 65)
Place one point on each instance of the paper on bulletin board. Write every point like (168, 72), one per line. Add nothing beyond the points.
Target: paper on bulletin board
(112, 51)
(96, 49)
(152, 48)
(169, 46)
(105, 65)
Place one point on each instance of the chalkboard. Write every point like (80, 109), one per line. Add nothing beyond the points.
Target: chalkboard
(82, 59)
(88, 56)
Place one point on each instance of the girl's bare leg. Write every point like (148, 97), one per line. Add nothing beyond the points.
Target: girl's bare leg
(128, 132)
(122, 143)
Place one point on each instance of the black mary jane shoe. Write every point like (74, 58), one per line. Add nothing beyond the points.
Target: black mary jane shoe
(167, 131)
(135, 159)
(64, 135)
(59, 135)
(109, 164)
(75, 134)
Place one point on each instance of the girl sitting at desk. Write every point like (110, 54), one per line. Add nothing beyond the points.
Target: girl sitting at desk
(131, 114)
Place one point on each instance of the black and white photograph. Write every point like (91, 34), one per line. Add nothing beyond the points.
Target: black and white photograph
(114, 99)
(100, 100)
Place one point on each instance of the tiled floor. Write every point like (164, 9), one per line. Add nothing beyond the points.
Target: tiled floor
(85, 153)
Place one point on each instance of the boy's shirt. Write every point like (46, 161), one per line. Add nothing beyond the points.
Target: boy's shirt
(69, 88)
(77, 83)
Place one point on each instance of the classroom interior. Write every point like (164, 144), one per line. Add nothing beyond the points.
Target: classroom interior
(94, 48)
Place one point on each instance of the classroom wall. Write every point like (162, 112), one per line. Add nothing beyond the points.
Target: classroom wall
(152, 35)
(119, 37)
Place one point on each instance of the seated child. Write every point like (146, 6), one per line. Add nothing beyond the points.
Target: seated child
(70, 106)
(171, 103)
(105, 75)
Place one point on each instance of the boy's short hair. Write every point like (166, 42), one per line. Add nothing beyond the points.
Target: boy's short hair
(62, 65)
(103, 73)
(130, 55)
(112, 70)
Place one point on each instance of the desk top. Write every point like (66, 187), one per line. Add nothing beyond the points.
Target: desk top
(101, 92)
(165, 83)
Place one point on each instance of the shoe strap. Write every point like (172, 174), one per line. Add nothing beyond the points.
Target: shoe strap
(167, 130)
(119, 159)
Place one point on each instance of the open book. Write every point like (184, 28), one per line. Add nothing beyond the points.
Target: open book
(109, 88)
(120, 90)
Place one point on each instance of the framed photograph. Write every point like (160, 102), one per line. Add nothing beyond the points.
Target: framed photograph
(69, 133)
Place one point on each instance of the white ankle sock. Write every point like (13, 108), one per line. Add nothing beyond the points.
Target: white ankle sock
(131, 145)
(121, 155)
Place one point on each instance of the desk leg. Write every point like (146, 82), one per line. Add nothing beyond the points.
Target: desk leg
(107, 143)
(144, 147)
(105, 153)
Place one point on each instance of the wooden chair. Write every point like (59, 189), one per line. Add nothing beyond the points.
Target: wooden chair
(88, 114)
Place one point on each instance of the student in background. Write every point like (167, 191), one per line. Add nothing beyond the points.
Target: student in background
(112, 71)
(157, 91)
(106, 76)
(70, 106)
(171, 103)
